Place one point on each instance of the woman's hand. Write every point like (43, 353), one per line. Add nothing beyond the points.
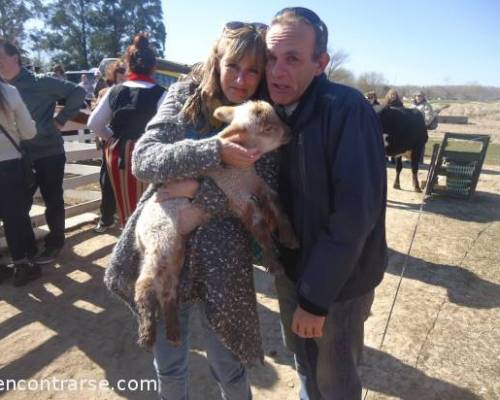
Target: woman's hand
(184, 188)
(235, 155)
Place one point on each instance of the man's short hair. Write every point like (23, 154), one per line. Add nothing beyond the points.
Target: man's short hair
(11, 49)
(302, 14)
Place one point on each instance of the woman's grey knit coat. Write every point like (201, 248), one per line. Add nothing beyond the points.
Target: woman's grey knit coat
(218, 267)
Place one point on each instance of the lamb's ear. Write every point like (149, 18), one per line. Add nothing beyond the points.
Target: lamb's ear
(231, 130)
(224, 113)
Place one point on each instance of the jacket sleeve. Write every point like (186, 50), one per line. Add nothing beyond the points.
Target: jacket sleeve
(101, 116)
(73, 95)
(163, 153)
(26, 127)
(357, 184)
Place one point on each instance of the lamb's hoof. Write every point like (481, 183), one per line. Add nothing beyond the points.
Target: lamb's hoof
(397, 186)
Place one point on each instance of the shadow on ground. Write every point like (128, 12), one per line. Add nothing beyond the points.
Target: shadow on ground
(463, 287)
(385, 374)
(105, 332)
(483, 207)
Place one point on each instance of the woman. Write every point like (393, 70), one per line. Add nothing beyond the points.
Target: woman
(127, 108)
(115, 75)
(392, 99)
(16, 123)
(217, 275)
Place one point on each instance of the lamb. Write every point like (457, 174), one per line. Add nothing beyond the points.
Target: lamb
(161, 237)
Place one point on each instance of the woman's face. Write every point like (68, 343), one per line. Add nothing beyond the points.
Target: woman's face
(239, 79)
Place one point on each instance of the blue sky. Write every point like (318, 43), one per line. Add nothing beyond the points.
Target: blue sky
(418, 42)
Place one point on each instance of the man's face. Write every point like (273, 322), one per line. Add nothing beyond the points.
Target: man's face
(290, 66)
(9, 65)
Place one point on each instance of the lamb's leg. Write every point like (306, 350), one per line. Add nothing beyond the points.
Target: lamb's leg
(399, 167)
(255, 222)
(269, 204)
(168, 278)
(145, 301)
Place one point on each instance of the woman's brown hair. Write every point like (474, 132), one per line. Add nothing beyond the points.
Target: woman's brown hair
(140, 56)
(234, 44)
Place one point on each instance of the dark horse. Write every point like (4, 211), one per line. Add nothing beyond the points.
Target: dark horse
(405, 133)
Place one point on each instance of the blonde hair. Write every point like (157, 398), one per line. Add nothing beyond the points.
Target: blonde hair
(388, 95)
(234, 44)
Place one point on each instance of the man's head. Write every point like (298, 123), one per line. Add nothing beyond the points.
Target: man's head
(10, 60)
(371, 96)
(296, 44)
(418, 97)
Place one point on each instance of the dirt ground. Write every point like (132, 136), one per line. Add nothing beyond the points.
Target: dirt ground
(442, 342)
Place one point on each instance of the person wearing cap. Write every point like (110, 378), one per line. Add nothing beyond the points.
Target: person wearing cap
(371, 96)
(421, 104)
(332, 185)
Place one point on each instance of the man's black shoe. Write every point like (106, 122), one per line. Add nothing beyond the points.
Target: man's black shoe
(23, 273)
(47, 256)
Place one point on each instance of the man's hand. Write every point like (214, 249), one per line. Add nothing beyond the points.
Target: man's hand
(184, 188)
(307, 325)
(236, 155)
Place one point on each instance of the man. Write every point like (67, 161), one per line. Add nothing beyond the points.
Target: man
(333, 187)
(371, 96)
(40, 93)
(422, 105)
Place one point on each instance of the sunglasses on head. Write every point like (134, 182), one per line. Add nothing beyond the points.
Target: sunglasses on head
(308, 15)
(234, 25)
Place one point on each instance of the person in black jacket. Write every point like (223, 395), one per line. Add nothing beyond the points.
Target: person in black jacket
(333, 187)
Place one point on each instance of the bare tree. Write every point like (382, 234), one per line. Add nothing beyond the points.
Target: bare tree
(372, 81)
(334, 70)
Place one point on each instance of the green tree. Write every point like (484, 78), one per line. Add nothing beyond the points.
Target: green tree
(71, 25)
(146, 16)
(111, 35)
(13, 16)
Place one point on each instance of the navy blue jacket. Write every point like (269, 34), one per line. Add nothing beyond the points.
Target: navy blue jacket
(333, 186)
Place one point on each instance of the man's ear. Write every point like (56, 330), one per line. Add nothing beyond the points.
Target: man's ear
(322, 62)
(224, 113)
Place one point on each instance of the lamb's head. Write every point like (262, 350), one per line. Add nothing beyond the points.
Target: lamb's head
(256, 124)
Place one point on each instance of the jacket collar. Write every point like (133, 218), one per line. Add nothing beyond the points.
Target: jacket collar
(307, 104)
(21, 76)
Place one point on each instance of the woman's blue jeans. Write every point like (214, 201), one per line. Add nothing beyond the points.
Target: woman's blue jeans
(171, 362)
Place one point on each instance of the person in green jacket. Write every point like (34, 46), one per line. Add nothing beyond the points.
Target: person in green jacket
(40, 94)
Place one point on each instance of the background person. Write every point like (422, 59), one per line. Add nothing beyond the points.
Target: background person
(371, 96)
(120, 119)
(115, 74)
(392, 99)
(40, 94)
(16, 121)
(421, 104)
